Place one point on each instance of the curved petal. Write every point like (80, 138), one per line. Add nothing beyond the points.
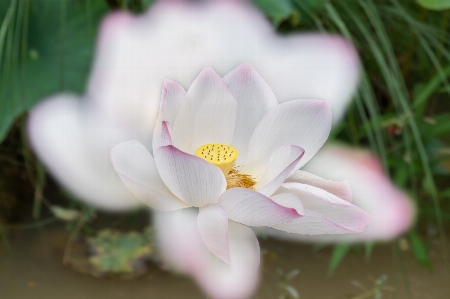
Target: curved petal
(181, 247)
(190, 178)
(289, 200)
(330, 206)
(391, 210)
(281, 164)
(172, 96)
(305, 123)
(254, 99)
(212, 222)
(254, 209)
(339, 188)
(137, 170)
(311, 223)
(208, 114)
(76, 154)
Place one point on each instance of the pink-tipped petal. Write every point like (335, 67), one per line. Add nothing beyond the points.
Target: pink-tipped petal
(212, 222)
(304, 123)
(181, 247)
(207, 115)
(391, 210)
(172, 96)
(254, 99)
(339, 211)
(137, 170)
(190, 178)
(289, 200)
(254, 209)
(282, 162)
(75, 150)
(341, 189)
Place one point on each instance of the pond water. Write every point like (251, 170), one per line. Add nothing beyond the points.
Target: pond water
(35, 271)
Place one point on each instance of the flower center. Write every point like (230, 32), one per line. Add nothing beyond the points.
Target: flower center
(224, 156)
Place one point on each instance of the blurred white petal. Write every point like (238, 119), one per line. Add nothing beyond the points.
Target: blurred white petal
(181, 247)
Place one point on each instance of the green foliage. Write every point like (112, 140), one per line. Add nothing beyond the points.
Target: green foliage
(339, 253)
(435, 4)
(45, 47)
(420, 249)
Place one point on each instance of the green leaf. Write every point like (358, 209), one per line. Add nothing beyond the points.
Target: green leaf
(47, 48)
(435, 4)
(420, 250)
(339, 252)
(278, 10)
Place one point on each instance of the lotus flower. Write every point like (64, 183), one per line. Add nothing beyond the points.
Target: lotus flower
(134, 56)
(73, 135)
(226, 147)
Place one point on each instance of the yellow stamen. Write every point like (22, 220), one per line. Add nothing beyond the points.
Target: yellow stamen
(226, 163)
(216, 158)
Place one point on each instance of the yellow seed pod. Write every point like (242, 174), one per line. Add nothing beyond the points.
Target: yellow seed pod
(221, 155)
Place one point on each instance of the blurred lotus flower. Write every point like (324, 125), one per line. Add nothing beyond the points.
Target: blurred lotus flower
(73, 136)
(199, 136)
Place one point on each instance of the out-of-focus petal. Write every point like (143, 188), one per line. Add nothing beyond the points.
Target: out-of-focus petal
(281, 164)
(207, 115)
(181, 247)
(254, 209)
(212, 222)
(305, 123)
(341, 189)
(137, 170)
(172, 95)
(190, 178)
(310, 224)
(340, 211)
(63, 140)
(254, 99)
(391, 210)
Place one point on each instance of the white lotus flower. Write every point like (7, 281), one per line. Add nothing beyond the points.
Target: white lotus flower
(198, 138)
(134, 56)
(73, 136)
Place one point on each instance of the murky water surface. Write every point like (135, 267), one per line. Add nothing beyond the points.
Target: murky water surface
(35, 271)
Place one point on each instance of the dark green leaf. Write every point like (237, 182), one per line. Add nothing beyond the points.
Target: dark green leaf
(48, 48)
(277, 10)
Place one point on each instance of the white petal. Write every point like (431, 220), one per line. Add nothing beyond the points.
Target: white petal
(339, 188)
(281, 164)
(311, 223)
(75, 150)
(180, 246)
(254, 209)
(305, 123)
(289, 200)
(190, 178)
(391, 210)
(212, 222)
(207, 115)
(340, 211)
(172, 96)
(137, 170)
(254, 99)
